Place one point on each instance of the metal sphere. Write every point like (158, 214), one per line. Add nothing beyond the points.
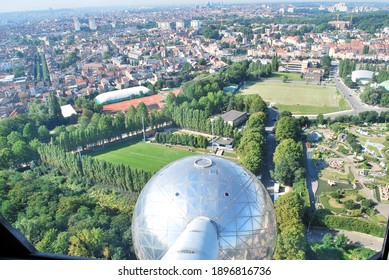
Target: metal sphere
(209, 186)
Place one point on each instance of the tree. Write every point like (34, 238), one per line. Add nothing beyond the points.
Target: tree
(6, 158)
(327, 240)
(365, 49)
(251, 150)
(29, 131)
(87, 242)
(55, 114)
(287, 127)
(43, 134)
(375, 96)
(290, 246)
(202, 61)
(257, 104)
(107, 55)
(290, 240)
(341, 241)
(288, 171)
(325, 62)
(256, 120)
(288, 148)
(275, 63)
(320, 119)
(349, 204)
(22, 152)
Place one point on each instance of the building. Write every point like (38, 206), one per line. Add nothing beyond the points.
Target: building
(77, 25)
(164, 25)
(364, 76)
(291, 10)
(296, 66)
(313, 75)
(92, 24)
(340, 24)
(180, 25)
(234, 118)
(223, 142)
(195, 24)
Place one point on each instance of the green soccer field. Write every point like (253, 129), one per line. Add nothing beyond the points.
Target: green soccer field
(299, 98)
(147, 156)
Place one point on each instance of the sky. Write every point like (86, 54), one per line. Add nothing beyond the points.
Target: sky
(25, 5)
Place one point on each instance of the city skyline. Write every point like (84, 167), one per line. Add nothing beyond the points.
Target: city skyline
(26, 5)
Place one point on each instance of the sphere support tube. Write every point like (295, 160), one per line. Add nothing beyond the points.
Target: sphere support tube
(199, 241)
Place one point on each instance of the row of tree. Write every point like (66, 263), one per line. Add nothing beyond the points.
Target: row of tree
(102, 128)
(120, 177)
(290, 211)
(288, 156)
(197, 141)
(346, 67)
(199, 120)
(252, 145)
(361, 118)
(289, 162)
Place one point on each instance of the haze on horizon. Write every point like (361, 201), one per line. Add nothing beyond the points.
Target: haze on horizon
(28, 5)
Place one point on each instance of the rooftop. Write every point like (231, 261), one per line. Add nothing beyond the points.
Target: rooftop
(232, 115)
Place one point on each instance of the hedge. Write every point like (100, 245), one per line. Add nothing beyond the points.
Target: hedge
(353, 224)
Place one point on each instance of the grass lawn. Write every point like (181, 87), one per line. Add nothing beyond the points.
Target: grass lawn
(324, 200)
(299, 98)
(291, 76)
(230, 155)
(325, 187)
(150, 157)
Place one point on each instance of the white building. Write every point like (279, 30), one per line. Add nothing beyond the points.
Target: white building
(195, 24)
(180, 25)
(164, 25)
(67, 111)
(77, 25)
(92, 24)
(341, 7)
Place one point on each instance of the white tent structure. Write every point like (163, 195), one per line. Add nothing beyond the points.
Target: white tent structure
(67, 111)
(118, 95)
(364, 76)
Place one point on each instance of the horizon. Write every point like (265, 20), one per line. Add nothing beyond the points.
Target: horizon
(16, 6)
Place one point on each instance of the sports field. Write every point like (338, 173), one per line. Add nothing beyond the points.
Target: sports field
(299, 98)
(147, 156)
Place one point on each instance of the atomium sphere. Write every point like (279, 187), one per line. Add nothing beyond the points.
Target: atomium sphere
(209, 186)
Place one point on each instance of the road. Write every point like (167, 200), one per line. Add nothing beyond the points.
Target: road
(312, 183)
(271, 144)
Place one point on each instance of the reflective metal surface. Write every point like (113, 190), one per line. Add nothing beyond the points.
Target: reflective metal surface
(208, 186)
